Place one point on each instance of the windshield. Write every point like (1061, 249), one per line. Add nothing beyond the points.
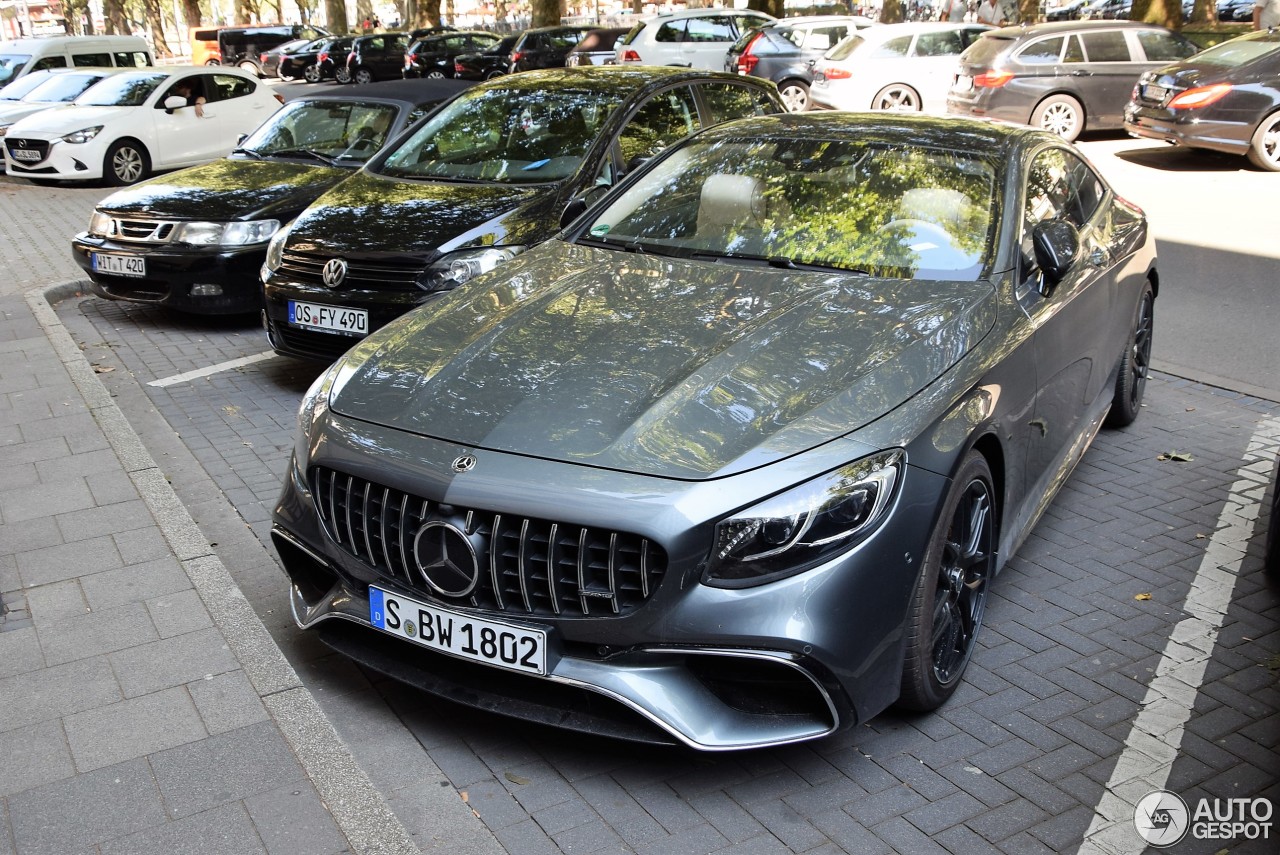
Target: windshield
(508, 136)
(1239, 51)
(11, 65)
(62, 87)
(122, 90)
(862, 207)
(341, 132)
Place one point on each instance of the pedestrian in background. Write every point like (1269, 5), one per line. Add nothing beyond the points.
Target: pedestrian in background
(1266, 14)
(955, 10)
(999, 13)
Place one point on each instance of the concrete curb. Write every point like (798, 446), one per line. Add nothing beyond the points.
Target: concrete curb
(357, 807)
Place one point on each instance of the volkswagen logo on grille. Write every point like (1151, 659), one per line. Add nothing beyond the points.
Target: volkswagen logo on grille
(335, 270)
(465, 463)
(446, 559)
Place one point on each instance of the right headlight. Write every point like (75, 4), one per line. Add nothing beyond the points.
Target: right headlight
(101, 224)
(450, 271)
(804, 526)
(275, 252)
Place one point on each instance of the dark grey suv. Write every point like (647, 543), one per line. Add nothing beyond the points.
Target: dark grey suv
(1062, 77)
(784, 51)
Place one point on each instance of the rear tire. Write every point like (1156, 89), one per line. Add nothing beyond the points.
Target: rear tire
(951, 593)
(493, 74)
(342, 75)
(897, 96)
(1264, 147)
(795, 95)
(1061, 115)
(435, 75)
(362, 76)
(1135, 364)
(251, 68)
(126, 162)
(311, 73)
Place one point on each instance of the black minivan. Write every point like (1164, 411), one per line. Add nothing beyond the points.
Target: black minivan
(244, 46)
(1063, 77)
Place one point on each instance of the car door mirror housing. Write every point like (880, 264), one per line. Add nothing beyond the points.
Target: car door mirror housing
(1057, 247)
(174, 102)
(579, 204)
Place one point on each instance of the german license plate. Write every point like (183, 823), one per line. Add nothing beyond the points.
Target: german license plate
(964, 83)
(119, 265)
(1154, 93)
(503, 645)
(28, 154)
(334, 319)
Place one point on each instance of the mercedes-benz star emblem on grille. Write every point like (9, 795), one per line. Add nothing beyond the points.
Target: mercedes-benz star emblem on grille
(335, 270)
(465, 463)
(446, 559)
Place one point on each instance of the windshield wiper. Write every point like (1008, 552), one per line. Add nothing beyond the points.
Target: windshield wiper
(778, 261)
(250, 152)
(305, 152)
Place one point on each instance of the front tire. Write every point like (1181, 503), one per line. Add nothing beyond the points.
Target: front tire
(362, 76)
(126, 162)
(251, 68)
(1264, 147)
(897, 96)
(342, 75)
(1061, 115)
(1135, 364)
(795, 95)
(435, 75)
(951, 593)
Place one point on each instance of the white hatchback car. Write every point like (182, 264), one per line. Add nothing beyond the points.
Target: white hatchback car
(893, 67)
(128, 124)
(696, 38)
(43, 90)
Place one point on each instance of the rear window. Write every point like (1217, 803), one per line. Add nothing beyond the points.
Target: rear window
(1241, 50)
(632, 34)
(985, 50)
(1163, 47)
(846, 48)
(892, 48)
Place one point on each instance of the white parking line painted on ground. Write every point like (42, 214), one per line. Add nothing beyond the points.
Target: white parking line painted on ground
(212, 369)
(1153, 743)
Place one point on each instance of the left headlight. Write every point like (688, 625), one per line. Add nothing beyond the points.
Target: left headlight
(275, 253)
(804, 526)
(101, 224)
(83, 135)
(314, 403)
(4, 129)
(226, 234)
(450, 271)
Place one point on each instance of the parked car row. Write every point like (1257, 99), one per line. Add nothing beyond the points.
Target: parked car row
(633, 419)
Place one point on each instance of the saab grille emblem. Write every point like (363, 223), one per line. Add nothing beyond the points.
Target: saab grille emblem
(446, 559)
(465, 463)
(335, 270)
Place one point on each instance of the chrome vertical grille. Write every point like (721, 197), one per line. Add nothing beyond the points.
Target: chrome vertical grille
(525, 566)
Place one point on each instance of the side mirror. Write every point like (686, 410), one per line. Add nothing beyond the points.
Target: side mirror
(1057, 248)
(241, 138)
(579, 204)
(174, 102)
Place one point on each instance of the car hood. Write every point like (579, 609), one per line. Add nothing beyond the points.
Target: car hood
(419, 218)
(68, 119)
(228, 189)
(11, 112)
(659, 366)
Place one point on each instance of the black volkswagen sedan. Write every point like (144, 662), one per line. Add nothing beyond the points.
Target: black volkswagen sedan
(486, 64)
(1226, 98)
(483, 180)
(195, 240)
(735, 459)
(433, 56)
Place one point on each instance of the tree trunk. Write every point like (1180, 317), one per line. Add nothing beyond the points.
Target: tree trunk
(891, 12)
(1166, 13)
(191, 11)
(335, 15)
(114, 18)
(364, 12)
(546, 13)
(1028, 12)
(428, 13)
(155, 23)
(1205, 12)
(769, 7)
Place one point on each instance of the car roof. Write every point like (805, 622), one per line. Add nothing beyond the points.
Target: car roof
(947, 132)
(702, 13)
(619, 79)
(1050, 27)
(411, 91)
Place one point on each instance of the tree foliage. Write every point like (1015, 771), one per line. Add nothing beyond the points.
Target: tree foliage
(891, 12)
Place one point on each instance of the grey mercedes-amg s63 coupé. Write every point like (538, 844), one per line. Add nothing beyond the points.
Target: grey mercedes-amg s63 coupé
(734, 460)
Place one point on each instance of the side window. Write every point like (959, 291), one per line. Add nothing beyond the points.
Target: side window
(226, 87)
(726, 101)
(50, 62)
(825, 38)
(90, 60)
(672, 31)
(939, 44)
(1043, 52)
(1106, 47)
(891, 48)
(565, 41)
(716, 28)
(665, 118)
(1088, 188)
(1160, 47)
(796, 37)
(1075, 52)
(1059, 186)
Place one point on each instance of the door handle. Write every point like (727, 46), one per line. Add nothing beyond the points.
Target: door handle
(1082, 73)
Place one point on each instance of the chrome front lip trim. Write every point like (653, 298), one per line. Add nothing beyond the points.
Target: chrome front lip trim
(689, 712)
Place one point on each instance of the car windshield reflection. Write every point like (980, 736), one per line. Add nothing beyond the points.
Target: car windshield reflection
(507, 136)
(122, 90)
(856, 207)
(329, 132)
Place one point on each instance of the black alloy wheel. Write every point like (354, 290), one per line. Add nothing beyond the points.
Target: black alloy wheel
(311, 73)
(1135, 364)
(951, 593)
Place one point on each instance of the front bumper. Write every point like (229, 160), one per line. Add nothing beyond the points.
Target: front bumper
(63, 162)
(201, 280)
(708, 667)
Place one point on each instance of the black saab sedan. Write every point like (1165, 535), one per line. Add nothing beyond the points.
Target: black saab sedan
(1226, 98)
(195, 240)
(480, 182)
(733, 460)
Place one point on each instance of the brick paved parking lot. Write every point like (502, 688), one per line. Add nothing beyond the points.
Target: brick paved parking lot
(1018, 761)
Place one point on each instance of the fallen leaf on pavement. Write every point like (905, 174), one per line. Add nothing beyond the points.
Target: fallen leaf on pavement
(515, 779)
(1143, 596)
(1176, 456)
